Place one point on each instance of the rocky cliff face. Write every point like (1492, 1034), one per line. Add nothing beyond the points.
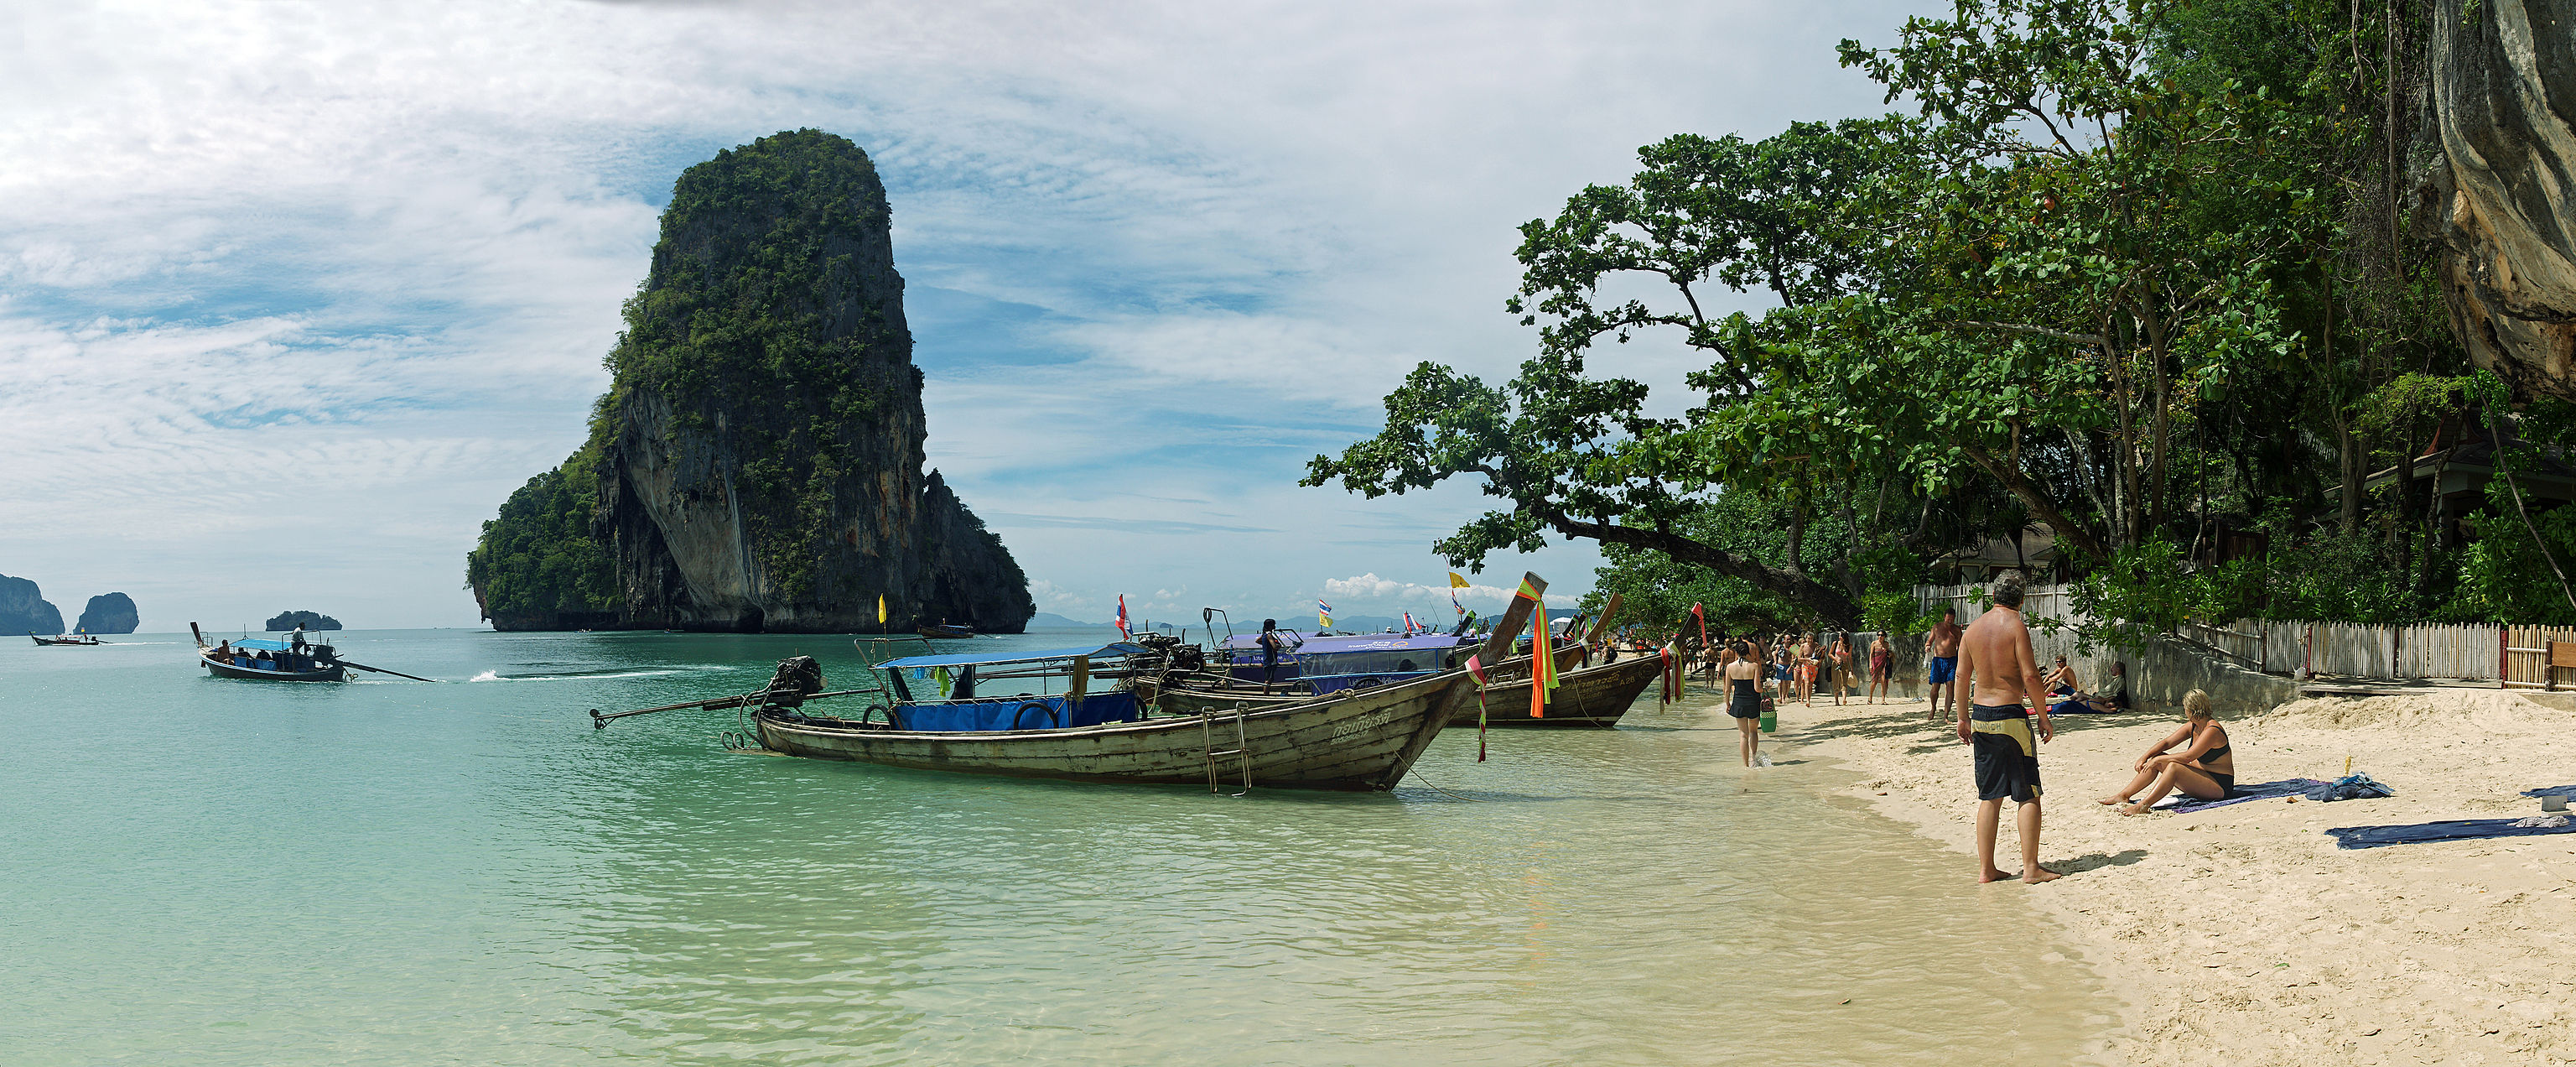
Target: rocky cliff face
(24, 610)
(2504, 98)
(110, 614)
(758, 462)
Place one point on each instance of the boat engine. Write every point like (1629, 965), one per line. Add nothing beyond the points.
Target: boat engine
(797, 677)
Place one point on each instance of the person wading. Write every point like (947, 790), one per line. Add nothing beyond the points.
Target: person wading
(1744, 700)
(1999, 671)
(1941, 661)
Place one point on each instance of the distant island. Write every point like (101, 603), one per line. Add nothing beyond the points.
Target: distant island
(310, 620)
(109, 613)
(24, 609)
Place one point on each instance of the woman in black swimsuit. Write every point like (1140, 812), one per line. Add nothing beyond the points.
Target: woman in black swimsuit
(2204, 768)
(1744, 699)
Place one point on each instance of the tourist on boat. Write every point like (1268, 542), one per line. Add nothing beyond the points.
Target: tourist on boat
(1272, 644)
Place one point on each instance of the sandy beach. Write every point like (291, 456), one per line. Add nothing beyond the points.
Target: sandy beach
(2241, 934)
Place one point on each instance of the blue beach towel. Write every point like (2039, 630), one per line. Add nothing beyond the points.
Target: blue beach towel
(2552, 791)
(2287, 787)
(2454, 830)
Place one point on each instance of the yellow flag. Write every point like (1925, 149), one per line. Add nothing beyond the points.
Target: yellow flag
(1457, 580)
(881, 614)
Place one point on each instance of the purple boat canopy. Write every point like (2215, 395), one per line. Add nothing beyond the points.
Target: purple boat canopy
(1355, 643)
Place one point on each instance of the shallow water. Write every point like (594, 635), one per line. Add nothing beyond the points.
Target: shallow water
(221, 872)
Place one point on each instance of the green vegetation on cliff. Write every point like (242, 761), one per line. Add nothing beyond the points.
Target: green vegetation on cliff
(541, 556)
(759, 258)
(756, 462)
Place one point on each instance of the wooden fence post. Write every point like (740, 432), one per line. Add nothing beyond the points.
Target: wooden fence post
(2504, 661)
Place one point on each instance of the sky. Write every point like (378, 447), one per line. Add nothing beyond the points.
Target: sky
(292, 296)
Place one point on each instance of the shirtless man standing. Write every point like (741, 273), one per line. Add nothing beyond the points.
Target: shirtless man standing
(1941, 657)
(1999, 672)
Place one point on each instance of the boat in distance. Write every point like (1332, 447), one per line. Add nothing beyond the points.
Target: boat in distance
(67, 639)
(261, 659)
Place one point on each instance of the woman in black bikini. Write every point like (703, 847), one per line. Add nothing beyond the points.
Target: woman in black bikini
(1744, 701)
(2205, 767)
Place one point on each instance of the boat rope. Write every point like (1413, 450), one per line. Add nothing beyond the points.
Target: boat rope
(1416, 775)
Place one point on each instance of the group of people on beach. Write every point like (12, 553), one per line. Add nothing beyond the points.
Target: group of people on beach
(1801, 664)
(2004, 719)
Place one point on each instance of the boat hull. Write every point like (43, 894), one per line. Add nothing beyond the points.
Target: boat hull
(1586, 696)
(334, 673)
(1354, 742)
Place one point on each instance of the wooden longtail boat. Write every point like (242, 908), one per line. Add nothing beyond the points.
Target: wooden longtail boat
(945, 631)
(68, 639)
(1362, 740)
(1585, 696)
(261, 659)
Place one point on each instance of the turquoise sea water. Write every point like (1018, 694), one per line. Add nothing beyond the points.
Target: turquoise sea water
(204, 871)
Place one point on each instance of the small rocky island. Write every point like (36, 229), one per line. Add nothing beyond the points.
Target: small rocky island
(310, 620)
(24, 609)
(757, 462)
(109, 613)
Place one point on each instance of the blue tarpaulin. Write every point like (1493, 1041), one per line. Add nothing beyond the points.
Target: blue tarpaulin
(259, 643)
(1015, 713)
(1107, 651)
(2454, 830)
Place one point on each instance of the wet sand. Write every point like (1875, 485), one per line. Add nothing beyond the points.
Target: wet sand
(2241, 934)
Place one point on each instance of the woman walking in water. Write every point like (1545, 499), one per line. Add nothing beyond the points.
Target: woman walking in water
(1744, 686)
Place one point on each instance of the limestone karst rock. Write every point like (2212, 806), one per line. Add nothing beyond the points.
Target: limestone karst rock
(111, 613)
(24, 610)
(2504, 187)
(757, 463)
(310, 620)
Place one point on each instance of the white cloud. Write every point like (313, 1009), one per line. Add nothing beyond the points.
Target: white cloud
(249, 249)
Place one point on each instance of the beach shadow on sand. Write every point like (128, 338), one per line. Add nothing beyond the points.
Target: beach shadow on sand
(2096, 861)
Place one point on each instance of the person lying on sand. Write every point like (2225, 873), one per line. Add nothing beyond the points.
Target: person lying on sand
(2205, 768)
(2113, 696)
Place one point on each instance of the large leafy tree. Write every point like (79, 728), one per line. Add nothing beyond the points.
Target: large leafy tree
(1574, 455)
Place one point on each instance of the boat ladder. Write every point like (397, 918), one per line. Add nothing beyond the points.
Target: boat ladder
(1242, 749)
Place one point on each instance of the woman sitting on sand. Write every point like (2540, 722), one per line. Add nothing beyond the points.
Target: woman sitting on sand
(2204, 768)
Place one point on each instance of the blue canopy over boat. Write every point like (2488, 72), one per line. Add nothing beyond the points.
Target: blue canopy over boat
(1113, 649)
(262, 643)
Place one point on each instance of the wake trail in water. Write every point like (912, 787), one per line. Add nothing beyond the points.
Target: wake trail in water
(584, 676)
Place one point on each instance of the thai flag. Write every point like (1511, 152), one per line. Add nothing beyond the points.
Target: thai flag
(1122, 617)
(1408, 624)
(1323, 613)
